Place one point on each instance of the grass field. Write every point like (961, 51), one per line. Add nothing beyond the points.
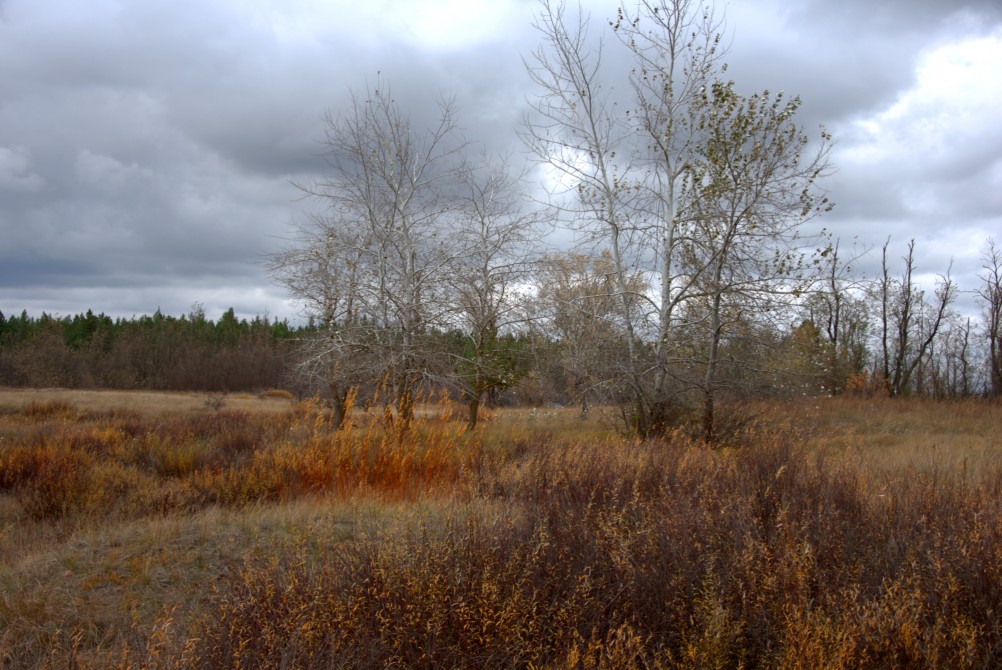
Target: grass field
(144, 402)
(149, 530)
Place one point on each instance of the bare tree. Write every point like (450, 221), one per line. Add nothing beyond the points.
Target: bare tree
(322, 268)
(497, 240)
(839, 310)
(885, 288)
(373, 265)
(622, 162)
(577, 131)
(653, 175)
(676, 55)
(909, 325)
(990, 293)
(947, 371)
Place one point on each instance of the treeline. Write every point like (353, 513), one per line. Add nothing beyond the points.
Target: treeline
(881, 336)
(192, 352)
(151, 352)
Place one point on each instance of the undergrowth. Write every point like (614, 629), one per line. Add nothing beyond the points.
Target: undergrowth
(566, 553)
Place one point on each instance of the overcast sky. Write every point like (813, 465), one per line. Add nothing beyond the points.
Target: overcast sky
(148, 147)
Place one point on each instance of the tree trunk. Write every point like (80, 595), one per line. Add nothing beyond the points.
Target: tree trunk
(708, 428)
(711, 374)
(339, 405)
(474, 411)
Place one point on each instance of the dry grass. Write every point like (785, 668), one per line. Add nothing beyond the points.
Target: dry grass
(143, 402)
(657, 555)
(109, 585)
(839, 533)
(961, 436)
(563, 424)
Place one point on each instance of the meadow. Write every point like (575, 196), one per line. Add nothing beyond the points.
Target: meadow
(154, 530)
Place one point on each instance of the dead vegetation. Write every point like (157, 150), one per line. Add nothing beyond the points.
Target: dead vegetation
(835, 533)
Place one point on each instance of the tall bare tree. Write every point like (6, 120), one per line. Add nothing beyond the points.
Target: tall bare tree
(909, 324)
(496, 240)
(990, 293)
(373, 265)
(676, 55)
(622, 161)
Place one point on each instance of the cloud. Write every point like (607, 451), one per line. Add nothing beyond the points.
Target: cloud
(148, 149)
(895, 19)
(107, 173)
(937, 147)
(955, 101)
(15, 170)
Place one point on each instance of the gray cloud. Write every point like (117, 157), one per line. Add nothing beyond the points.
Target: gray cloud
(897, 16)
(148, 149)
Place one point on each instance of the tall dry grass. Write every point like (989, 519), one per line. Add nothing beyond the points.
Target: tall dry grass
(799, 545)
(67, 472)
(653, 555)
(62, 462)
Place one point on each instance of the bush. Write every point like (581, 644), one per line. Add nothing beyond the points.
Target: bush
(653, 555)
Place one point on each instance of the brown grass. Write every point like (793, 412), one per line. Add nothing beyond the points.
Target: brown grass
(143, 402)
(280, 394)
(836, 533)
(960, 436)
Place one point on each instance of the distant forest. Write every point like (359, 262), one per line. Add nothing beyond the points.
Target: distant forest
(153, 352)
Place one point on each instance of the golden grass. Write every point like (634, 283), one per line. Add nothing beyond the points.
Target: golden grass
(832, 533)
(144, 402)
(894, 435)
(113, 584)
(563, 424)
(658, 555)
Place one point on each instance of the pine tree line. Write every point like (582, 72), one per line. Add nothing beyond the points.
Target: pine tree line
(151, 352)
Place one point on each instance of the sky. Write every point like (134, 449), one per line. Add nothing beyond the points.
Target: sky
(150, 149)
